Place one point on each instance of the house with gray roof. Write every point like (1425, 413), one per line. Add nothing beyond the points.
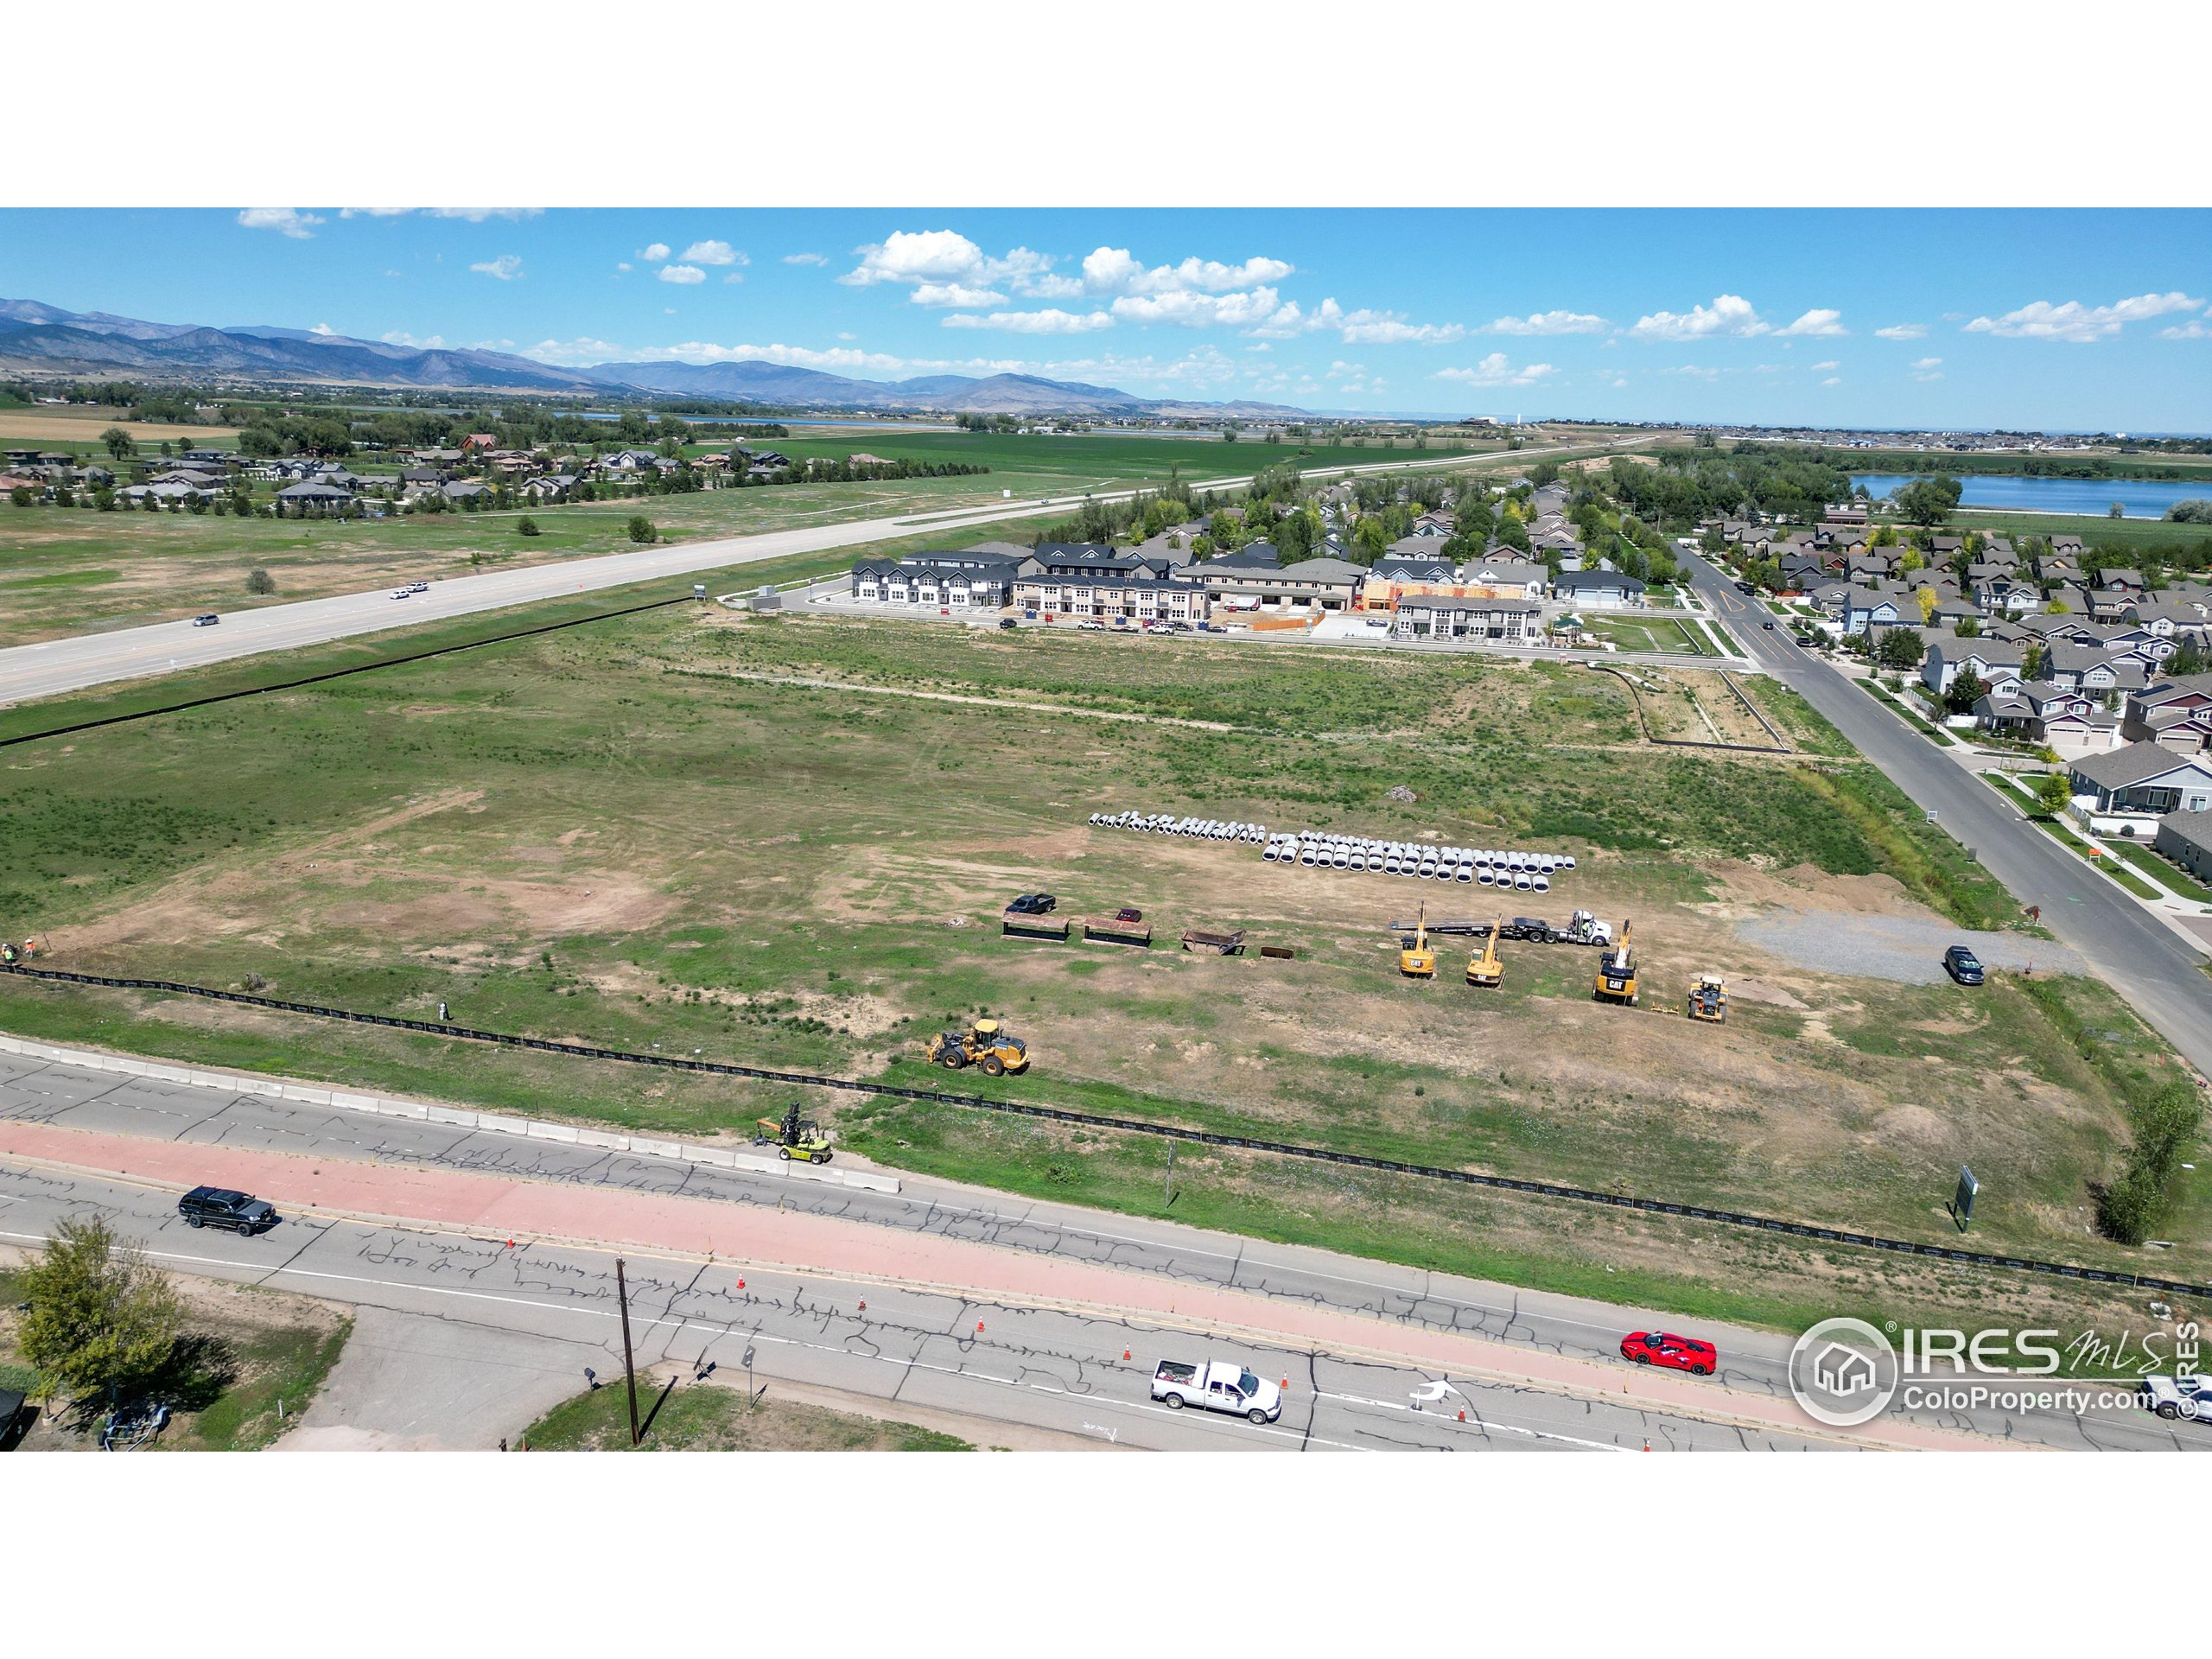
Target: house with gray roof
(2186, 838)
(2131, 788)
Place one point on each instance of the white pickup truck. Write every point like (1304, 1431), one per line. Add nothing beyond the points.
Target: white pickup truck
(1217, 1385)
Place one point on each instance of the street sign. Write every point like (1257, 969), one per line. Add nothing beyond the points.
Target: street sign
(1962, 1200)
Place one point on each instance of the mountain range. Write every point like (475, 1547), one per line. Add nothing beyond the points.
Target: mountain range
(39, 338)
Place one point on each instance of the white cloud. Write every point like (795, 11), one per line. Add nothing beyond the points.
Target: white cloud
(1115, 271)
(2080, 323)
(1618, 382)
(372, 213)
(1822, 368)
(1729, 314)
(954, 294)
(584, 349)
(1289, 321)
(401, 337)
(915, 256)
(1928, 362)
(507, 267)
(622, 264)
(2193, 329)
(1928, 368)
(478, 216)
(713, 253)
(323, 328)
(1837, 380)
(806, 258)
(1495, 371)
(1339, 369)
(686, 275)
(1548, 322)
(1047, 322)
(285, 221)
(733, 276)
(653, 252)
(1819, 324)
(1196, 310)
(1390, 328)
(1903, 330)
(1049, 287)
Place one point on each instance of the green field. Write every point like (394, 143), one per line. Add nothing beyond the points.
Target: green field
(711, 1418)
(645, 832)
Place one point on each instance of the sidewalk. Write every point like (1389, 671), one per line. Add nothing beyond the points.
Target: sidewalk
(733, 1238)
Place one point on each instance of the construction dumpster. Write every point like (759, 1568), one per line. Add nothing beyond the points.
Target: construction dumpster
(1105, 930)
(1219, 945)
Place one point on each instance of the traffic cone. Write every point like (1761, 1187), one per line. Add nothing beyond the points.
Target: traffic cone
(863, 1308)
(511, 1244)
(740, 1284)
(979, 1327)
(1125, 1354)
(1647, 1444)
(1462, 1416)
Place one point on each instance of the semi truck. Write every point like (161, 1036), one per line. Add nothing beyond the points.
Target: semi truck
(1217, 1385)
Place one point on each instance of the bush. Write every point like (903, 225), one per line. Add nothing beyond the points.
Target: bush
(642, 531)
(527, 527)
(101, 1316)
(260, 582)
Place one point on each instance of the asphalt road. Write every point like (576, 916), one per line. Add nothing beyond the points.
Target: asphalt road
(55, 666)
(2133, 951)
(1335, 1400)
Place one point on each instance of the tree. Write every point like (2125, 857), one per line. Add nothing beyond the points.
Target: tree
(20, 496)
(1967, 688)
(1900, 648)
(641, 531)
(120, 444)
(1968, 627)
(260, 581)
(2189, 659)
(2031, 660)
(2053, 792)
(1927, 600)
(2117, 510)
(527, 527)
(1929, 501)
(101, 1315)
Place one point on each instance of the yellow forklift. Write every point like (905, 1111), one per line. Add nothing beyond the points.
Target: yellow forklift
(793, 1137)
(1417, 960)
(1709, 1001)
(1616, 972)
(1484, 969)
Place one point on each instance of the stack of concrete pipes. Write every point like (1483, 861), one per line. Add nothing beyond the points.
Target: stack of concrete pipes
(1476, 866)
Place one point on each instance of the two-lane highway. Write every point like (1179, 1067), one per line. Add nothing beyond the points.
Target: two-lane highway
(2161, 977)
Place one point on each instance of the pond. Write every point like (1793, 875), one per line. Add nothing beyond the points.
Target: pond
(2138, 498)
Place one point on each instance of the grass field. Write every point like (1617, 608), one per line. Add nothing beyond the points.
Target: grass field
(647, 832)
(1650, 633)
(708, 1417)
(2136, 535)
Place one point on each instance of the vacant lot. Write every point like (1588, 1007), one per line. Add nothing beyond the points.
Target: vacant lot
(713, 1417)
(610, 836)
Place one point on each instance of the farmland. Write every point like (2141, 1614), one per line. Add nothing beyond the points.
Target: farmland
(650, 831)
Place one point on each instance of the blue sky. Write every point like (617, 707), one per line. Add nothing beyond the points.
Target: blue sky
(2051, 318)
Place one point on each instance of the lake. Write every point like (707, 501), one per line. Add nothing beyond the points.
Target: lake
(2009, 493)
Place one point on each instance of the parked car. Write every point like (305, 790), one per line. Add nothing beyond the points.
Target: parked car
(1091, 625)
(207, 621)
(1676, 1353)
(1217, 1385)
(1006, 622)
(1962, 965)
(1769, 627)
(2174, 1398)
(1033, 904)
(218, 1206)
(1129, 913)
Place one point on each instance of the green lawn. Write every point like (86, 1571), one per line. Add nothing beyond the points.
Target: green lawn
(1673, 634)
(2105, 862)
(2166, 875)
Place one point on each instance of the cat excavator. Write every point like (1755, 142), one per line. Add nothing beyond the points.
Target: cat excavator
(1616, 972)
(1484, 969)
(1417, 960)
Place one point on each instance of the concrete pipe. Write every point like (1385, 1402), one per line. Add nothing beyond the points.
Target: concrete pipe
(1524, 882)
(1339, 859)
(1543, 883)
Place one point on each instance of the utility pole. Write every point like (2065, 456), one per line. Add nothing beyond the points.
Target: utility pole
(629, 1367)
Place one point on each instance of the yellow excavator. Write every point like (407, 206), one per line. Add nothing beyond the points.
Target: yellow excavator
(1418, 959)
(982, 1045)
(1485, 970)
(1617, 971)
(1709, 1001)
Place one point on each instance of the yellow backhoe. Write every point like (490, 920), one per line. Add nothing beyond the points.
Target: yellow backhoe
(1417, 958)
(1484, 969)
(1616, 972)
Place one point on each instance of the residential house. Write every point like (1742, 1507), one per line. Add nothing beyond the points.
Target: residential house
(2069, 722)
(2176, 714)
(1439, 523)
(308, 496)
(2186, 838)
(1992, 661)
(1507, 577)
(1862, 605)
(1598, 589)
(476, 441)
(1439, 616)
(553, 487)
(949, 581)
(2126, 790)
(464, 489)
(1108, 597)
(1324, 584)
(2092, 668)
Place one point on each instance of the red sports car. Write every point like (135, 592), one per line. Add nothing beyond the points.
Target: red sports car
(1682, 1353)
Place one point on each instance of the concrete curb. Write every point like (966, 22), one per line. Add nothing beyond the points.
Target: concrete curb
(420, 1111)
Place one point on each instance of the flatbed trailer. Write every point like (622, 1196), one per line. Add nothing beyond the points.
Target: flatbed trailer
(1106, 930)
(1023, 924)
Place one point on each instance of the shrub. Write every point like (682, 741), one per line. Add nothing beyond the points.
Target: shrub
(260, 581)
(527, 527)
(642, 531)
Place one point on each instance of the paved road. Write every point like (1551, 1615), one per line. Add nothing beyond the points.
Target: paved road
(1345, 1402)
(58, 665)
(2133, 951)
